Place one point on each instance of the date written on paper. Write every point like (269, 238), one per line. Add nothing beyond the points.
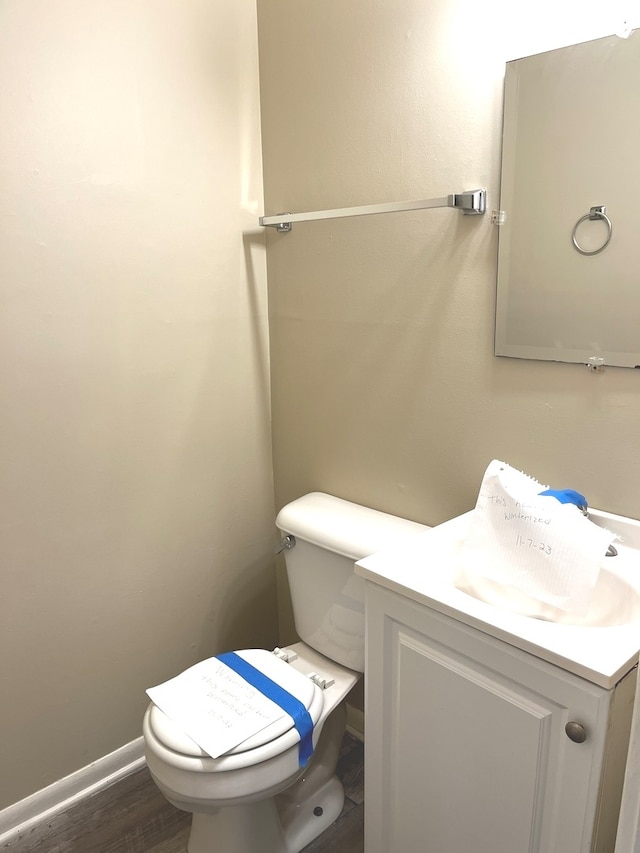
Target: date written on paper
(533, 544)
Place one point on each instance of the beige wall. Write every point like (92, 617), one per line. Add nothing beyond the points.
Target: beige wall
(385, 387)
(136, 492)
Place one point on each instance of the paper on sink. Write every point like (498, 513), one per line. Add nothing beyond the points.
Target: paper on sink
(544, 549)
(215, 706)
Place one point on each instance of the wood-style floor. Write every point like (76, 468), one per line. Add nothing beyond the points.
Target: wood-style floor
(133, 817)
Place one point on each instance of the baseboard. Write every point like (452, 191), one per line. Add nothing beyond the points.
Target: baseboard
(355, 722)
(18, 818)
(61, 795)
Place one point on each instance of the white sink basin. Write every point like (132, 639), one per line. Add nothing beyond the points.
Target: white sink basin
(600, 646)
(614, 601)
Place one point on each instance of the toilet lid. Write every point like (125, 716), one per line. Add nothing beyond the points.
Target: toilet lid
(294, 682)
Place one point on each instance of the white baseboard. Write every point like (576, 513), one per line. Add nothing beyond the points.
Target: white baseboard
(355, 722)
(61, 795)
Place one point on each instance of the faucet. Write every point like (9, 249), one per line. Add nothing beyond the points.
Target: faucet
(611, 551)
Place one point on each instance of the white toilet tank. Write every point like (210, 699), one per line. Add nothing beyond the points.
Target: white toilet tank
(331, 534)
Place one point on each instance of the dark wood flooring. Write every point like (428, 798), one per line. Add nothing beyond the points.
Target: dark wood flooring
(133, 817)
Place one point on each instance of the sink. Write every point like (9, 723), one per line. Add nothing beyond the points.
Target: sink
(599, 646)
(614, 601)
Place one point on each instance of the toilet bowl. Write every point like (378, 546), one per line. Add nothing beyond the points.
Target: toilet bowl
(251, 775)
(264, 796)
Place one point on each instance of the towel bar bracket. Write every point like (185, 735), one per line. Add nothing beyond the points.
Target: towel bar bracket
(472, 202)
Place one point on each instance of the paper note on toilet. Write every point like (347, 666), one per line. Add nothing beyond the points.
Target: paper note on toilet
(215, 706)
(541, 548)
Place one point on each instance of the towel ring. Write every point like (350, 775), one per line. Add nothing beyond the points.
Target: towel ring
(599, 212)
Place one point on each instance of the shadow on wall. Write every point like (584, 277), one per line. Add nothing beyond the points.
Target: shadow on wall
(242, 615)
(252, 242)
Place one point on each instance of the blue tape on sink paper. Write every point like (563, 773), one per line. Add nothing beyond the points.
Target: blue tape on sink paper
(567, 496)
(289, 704)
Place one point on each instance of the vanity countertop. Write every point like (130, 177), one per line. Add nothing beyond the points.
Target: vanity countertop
(423, 568)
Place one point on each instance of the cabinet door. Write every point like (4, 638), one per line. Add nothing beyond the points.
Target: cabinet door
(466, 750)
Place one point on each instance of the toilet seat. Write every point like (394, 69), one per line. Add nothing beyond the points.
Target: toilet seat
(270, 741)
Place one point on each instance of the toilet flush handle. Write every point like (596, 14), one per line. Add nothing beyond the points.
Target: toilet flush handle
(285, 544)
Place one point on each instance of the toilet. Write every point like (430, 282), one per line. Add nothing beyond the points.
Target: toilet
(265, 795)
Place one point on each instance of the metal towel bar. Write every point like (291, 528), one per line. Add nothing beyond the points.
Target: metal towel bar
(471, 202)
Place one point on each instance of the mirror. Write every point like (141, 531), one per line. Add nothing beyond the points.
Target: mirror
(569, 276)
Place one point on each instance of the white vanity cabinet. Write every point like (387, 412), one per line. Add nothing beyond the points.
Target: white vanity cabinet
(467, 749)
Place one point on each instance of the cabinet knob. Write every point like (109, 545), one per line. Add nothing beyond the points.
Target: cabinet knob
(576, 732)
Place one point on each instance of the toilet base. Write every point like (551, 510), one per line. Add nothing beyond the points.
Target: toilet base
(285, 823)
(258, 827)
(313, 816)
(238, 829)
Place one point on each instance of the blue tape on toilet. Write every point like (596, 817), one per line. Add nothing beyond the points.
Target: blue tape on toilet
(289, 704)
